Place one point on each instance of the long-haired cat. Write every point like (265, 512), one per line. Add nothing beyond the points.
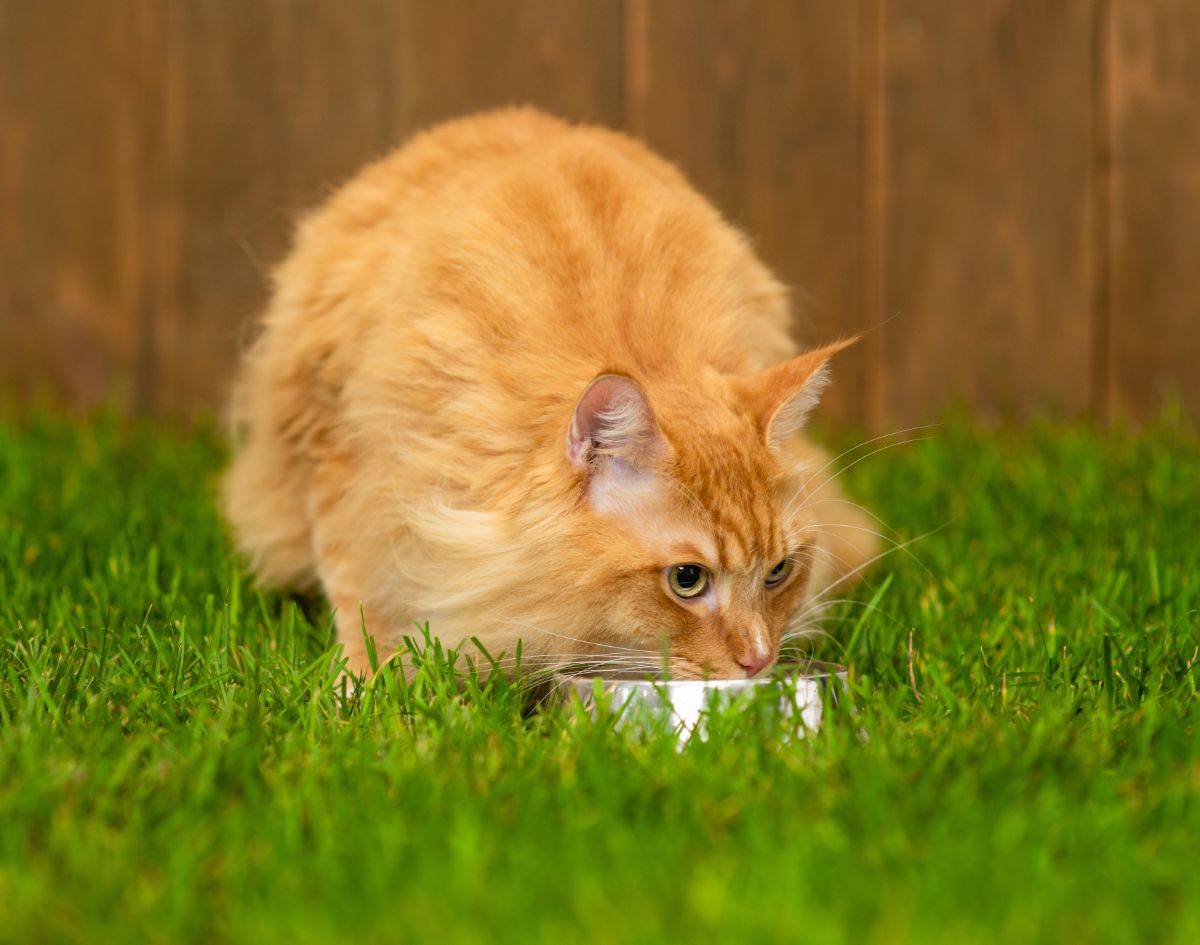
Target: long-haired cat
(520, 381)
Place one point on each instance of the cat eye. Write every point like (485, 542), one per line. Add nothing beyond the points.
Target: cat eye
(687, 580)
(780, 572)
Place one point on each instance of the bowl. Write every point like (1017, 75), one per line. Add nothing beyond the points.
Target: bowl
(797, 690)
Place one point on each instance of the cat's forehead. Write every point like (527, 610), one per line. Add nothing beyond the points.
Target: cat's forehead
(731, 492)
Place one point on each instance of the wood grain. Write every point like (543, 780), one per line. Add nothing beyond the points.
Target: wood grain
(461, 56)
(988, 157)
(1156, 204)
(872, 215)
(70, 199)
(267, 106)
(756, 101)
(1010, 187)
(264, 107)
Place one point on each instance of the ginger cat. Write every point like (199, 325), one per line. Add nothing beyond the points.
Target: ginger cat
(519, 380)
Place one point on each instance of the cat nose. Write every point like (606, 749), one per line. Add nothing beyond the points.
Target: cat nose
(753, 664)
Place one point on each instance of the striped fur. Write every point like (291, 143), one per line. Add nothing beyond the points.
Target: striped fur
(404, 424)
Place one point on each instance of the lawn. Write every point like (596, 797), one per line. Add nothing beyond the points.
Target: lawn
(175, 764)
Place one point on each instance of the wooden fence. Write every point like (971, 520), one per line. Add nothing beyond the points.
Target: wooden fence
(1005, 192)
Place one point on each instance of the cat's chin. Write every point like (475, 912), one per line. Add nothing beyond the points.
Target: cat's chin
(687, 669)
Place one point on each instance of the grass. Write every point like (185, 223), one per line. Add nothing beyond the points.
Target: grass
(176, 766)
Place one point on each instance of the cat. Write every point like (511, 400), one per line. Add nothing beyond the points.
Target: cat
(520, 381)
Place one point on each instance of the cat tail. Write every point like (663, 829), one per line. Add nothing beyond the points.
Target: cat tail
(265, 487)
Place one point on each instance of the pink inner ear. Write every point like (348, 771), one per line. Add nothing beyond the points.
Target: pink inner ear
(613, 419)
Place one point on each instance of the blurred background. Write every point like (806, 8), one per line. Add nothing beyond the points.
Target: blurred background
(1005, 193)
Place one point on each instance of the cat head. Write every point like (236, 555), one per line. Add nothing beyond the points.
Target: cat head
(697, 501)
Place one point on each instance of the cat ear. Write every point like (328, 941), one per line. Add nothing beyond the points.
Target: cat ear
(782, 397)
(612, 426)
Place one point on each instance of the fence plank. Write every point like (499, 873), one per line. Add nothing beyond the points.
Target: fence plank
(268, 105)
(263, 107)
(757, 102)
(70, 198)
(1156, 204)
(461, 56)
(988, 156)
(154, 154)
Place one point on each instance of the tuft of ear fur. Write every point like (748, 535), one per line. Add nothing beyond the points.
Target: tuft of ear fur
(612, 425)
(782, 397)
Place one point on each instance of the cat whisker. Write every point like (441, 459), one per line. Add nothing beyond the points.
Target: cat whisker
(802, 655)
(575, 668)
(803, 623)
(571, 667)
(645, 668)
(575, 659)
(805, 500)
(536, 659)
(896, 545)
(875, 452)
(850, 502)
(870, 561)
(809, 489)
(682, 668)
(563, 636)
(875, 439)
(818, 608)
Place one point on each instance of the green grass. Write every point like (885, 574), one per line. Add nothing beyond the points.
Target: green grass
(175, 764)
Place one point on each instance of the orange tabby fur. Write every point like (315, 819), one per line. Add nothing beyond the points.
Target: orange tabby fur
(410, 433)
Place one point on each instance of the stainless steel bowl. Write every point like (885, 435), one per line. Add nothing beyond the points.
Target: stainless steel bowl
(797, 690)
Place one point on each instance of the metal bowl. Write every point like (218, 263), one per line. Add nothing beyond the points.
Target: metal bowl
(683, 704)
